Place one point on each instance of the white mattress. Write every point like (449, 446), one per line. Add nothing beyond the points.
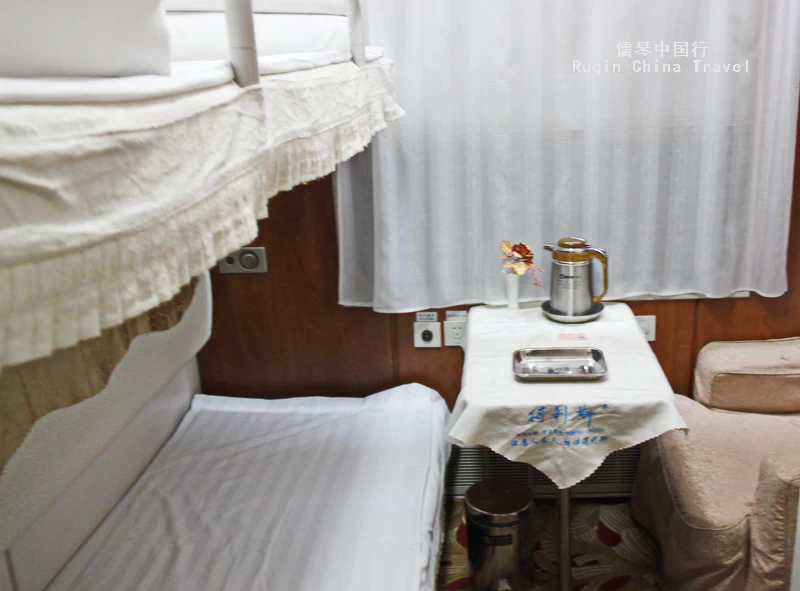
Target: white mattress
(204, 36)
(300, 494)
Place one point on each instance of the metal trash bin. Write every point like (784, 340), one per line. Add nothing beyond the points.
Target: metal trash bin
(498, 512)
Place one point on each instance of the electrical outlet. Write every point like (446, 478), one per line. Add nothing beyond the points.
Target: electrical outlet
(427, 334)
(252, 259)
(648, 326)
(455, 333)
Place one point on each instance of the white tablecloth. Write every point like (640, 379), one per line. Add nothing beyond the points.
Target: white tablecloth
(565, 429)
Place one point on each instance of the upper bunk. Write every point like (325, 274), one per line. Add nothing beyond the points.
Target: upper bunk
(200, 44)
(116, 190)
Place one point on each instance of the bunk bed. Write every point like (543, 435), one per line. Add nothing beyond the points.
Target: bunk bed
(116, 194)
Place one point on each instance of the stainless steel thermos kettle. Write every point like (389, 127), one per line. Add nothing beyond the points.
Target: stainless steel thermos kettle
(571, 293)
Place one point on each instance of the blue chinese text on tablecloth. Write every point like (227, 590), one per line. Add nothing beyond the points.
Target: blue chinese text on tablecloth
(558, 419)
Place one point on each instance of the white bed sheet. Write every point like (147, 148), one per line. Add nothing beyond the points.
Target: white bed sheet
(299, 494)
(186, 77)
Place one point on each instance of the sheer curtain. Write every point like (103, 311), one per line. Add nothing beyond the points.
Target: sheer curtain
(684, 177)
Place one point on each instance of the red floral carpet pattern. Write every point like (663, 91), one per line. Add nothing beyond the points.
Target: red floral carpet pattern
(610, 552)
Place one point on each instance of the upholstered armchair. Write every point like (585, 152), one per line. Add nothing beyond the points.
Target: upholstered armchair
(722, 498)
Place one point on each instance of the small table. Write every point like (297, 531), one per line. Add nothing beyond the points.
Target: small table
(566, 429)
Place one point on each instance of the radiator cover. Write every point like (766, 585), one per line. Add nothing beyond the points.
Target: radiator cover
(468, 465)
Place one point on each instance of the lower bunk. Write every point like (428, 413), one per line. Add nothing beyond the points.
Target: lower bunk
(300, 494)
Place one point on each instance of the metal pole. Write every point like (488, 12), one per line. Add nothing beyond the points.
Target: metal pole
(242, 41)
(355, 19)
(564, 554)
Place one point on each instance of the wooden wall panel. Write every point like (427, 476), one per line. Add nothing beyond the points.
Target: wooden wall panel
(283, 333)
(439, 369)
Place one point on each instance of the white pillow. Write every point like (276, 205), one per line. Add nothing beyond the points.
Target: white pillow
(83, 38)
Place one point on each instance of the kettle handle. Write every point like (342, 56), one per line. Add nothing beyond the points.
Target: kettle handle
(600, 255)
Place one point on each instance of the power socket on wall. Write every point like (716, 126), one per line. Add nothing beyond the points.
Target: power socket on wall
(648, 326)
(455, 333)
(427, 334)
(252, 259)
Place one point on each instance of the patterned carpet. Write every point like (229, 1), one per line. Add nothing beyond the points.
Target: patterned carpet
(610, 552)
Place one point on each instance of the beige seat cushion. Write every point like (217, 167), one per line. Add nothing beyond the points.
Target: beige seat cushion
(696, 489)
(750, 376)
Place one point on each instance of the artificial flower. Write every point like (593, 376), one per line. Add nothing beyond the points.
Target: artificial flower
(519, 260)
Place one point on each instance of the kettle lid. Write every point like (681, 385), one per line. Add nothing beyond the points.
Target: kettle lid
(572, 242)
(568, 244)
(573, 249)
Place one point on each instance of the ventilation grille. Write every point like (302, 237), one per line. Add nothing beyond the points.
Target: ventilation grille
(468, 465)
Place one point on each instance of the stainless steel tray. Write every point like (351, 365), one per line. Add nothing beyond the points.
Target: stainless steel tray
(559, 363)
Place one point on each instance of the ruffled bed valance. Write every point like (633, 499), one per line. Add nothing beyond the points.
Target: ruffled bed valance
(105, 212)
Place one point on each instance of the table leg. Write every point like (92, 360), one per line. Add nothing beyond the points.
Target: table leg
(564, 554)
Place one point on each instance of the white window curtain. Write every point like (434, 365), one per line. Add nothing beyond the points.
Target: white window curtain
(684, 177)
